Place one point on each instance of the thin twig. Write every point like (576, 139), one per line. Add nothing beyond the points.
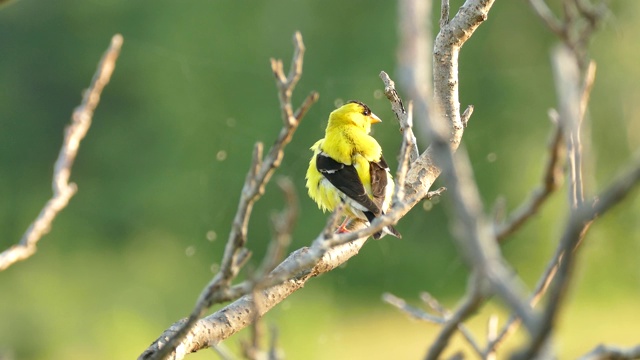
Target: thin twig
(466, 115)
(540, 289)
(405, 119)
(419, 314)
(466, 333)
(435, 193)
(75, 132)
(551, 180)
(407, 149)
(274, 352)
(444, 13)
(252, 349)
(547, 16)
(567, 80)
(412, 311)
(282, 225)
(415, 56)
(473, 300)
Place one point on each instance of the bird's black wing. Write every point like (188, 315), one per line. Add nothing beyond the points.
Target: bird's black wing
(345, 178)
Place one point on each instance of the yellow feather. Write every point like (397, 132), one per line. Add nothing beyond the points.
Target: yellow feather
(347, 141)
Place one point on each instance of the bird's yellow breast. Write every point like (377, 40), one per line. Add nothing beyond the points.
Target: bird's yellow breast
(323, 192)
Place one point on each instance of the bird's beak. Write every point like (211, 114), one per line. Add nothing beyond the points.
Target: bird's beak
(374, 119)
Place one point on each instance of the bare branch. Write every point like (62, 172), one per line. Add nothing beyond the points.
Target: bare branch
(444, 13)
(274, 353)
(466, 115)
(435, 193)
(447, 47)
(575, 230)
(445, 76)
(415, 56)
(466, 333)
(412, 311)
(514, 322)
(547, 16)
(282, 224)
(232, 318)
(473, 300)
(409, 149)
(567, 80)
(550, 182)
(75, 132)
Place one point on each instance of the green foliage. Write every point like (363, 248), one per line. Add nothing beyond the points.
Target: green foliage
(171, 141)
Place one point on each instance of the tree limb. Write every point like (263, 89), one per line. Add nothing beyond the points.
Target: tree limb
(75, 132)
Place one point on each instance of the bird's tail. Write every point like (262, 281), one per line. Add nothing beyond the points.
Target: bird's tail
(390, 230)
(387, 230)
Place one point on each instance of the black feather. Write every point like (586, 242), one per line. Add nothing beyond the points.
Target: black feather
(345, 178)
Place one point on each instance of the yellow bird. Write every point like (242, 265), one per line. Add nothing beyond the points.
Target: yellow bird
(347, 167)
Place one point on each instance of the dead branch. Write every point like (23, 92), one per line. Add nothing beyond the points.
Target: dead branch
(414, 56)
(409, 147)
(550, 182)
(220, 325)
(412, 311)
(75, 132)
(472, 301)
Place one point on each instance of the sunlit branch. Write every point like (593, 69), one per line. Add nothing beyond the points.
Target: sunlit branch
(75, 132)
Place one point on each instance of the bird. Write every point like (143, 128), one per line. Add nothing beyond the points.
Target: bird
(347, 167)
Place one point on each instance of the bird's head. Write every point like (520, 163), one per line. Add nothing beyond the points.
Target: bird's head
(353, 113)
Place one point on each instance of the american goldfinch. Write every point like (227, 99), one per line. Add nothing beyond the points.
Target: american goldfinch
(347, 167)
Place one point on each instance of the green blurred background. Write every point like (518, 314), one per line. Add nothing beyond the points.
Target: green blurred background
(161, 168)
